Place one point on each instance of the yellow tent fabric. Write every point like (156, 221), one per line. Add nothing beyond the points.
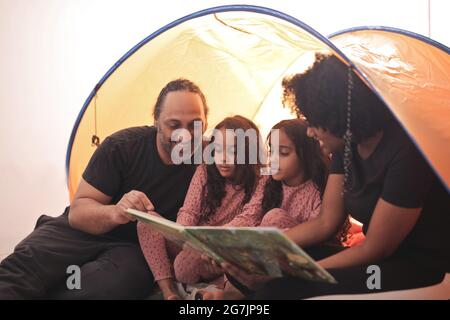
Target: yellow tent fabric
(413, 78)
(238, 56)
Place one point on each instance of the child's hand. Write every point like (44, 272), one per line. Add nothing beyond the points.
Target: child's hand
(212, 266)
(251, 281)
(187, 247)
(211, 262)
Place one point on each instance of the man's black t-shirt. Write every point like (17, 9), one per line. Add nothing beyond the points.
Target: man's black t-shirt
(129, 160)
(397, 173)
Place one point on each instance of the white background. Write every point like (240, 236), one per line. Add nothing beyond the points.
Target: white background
(53, 52)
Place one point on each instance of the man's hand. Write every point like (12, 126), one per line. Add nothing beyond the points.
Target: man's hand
(91, 210)
(131, 200)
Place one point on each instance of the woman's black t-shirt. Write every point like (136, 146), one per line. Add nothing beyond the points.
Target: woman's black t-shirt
(129, 160)
(398, 173)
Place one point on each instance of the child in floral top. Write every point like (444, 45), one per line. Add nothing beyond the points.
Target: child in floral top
(220, 194)
(292, 194)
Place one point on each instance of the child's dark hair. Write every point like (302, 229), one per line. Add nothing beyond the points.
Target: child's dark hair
(313, 161)
(246, 175)
(320, 95)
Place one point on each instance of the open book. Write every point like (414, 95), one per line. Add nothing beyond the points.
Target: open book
(257, 250)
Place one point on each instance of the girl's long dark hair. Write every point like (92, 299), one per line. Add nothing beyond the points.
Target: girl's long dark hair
(312, 159)
(245, 176)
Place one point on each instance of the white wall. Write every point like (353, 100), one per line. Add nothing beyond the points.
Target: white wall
(53, 52)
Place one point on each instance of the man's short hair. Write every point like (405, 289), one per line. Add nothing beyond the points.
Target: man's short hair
(179, 84)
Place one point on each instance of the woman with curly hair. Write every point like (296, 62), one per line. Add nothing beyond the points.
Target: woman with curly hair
(225, 192)
(379, 177)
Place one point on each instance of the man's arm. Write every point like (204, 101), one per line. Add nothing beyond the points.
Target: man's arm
(92, 212)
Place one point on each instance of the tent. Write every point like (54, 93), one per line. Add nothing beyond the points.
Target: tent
(239, 54)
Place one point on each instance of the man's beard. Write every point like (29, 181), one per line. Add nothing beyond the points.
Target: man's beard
(166, 143)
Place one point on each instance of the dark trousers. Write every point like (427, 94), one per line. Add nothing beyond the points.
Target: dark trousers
(38, 268)
(396, 273)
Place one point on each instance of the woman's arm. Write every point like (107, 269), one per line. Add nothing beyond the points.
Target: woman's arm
(406, 185)
(388, 227)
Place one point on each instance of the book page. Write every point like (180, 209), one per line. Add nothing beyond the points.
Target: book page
(265, 251)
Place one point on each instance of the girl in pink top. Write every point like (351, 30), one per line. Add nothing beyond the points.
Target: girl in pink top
(292, 194)
(222, 193)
